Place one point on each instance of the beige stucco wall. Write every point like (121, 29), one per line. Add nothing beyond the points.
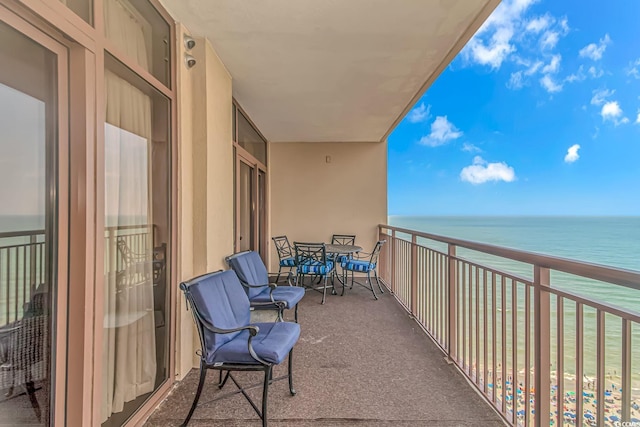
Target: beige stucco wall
(205, 194)
(311, 199)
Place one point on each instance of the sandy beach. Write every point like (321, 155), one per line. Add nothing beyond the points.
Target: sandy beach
(566, 405)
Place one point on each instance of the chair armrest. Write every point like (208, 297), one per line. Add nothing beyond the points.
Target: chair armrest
(366, 255)
(270, 285)
(281, 304)
(253, 330)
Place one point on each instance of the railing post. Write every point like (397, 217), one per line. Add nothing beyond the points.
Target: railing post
(33, 240)
(542, 373)
(452, 279)
(393, 261)
(414, 276)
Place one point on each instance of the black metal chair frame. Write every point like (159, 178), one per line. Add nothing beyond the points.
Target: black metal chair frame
(260, 365)
(279, 305)
(284, 251)
(343, 239)
(313, 252)
(373, 259)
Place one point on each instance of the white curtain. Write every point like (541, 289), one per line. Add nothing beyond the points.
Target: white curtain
(129, 350)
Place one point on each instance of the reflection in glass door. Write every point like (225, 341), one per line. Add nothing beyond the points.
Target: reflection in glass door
(29, 138)
(137, 235)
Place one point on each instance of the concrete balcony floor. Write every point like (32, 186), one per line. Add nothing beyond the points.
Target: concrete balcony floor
(358, 361)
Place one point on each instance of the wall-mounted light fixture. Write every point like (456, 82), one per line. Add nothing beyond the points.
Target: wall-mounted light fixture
(189, 60)
(189, 42)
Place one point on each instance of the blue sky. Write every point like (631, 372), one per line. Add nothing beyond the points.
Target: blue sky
(538, 115)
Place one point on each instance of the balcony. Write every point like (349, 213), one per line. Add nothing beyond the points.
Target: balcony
(358, 361)
(520, 341)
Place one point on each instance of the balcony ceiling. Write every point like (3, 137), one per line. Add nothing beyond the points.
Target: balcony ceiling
(332, 70)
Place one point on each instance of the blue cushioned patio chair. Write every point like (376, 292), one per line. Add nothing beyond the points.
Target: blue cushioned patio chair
(342, 239)
(264, 295)
(220, 309)
(364, 265)
(285, 254)
(311, 260)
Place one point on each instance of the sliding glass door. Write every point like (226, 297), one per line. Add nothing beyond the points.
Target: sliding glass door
(32, 242)
(250, 186)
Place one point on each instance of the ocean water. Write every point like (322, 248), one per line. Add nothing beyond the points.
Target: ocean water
(609, 241)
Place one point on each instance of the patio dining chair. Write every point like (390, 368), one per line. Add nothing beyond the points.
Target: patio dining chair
(311, 260)
(229, 343)
(285, 254)
(264, 295)
(342, 239)
(366, 264)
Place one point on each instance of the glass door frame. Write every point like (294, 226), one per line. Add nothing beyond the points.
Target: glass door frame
(242, 156)
(81, 198)
(57, 192)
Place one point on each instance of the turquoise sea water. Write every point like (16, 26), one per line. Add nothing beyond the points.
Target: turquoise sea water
(609, 241)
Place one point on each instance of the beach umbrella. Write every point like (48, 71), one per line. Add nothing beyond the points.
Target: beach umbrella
(589, 416)
(614, 418)
(607, 393)
(635, 420)
(521, 412)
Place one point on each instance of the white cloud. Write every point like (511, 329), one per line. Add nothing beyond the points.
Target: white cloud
(638, 118)
(536, 25)
(515, 81)
(601, 95)
(553, 66)
(492, 43)
(533, 68)
(549, 40)
(481, 171)
(419, 113)
(596, 72)
(611, 111)
(572, 154)
(633, 69)
(442, 131)
(470, 148)
(577, 76)
(549, 84)
(595, 51)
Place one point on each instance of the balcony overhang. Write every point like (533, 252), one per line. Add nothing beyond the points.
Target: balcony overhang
(332, 70)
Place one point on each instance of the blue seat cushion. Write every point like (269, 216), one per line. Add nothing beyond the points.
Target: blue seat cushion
(288, 262)
(315, 267)
(289, 294)
(358, 265)
(341, 258)
(273, 343)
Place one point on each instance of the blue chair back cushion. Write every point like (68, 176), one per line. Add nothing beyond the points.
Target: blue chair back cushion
(273, 342)
(315, 267)
(250, 270)
(358, 265)
(221, 301)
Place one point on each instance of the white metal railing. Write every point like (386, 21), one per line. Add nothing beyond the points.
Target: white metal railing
(542, 355)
